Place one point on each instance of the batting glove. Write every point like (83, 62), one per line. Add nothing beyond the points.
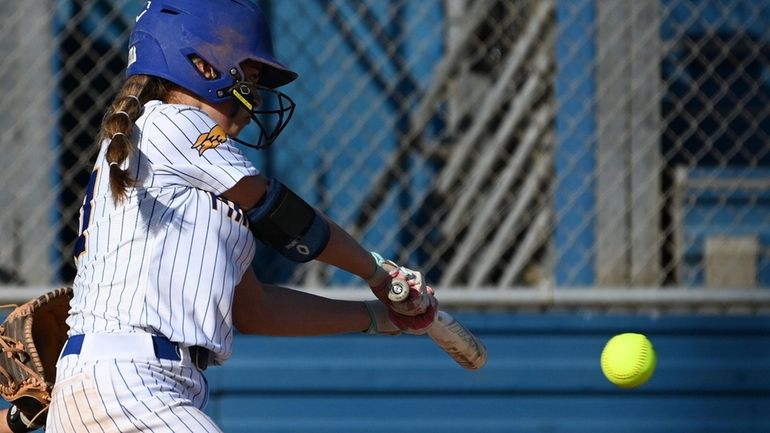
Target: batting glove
(420, 298)
(379, 322)
(384, 321)
(418, 324)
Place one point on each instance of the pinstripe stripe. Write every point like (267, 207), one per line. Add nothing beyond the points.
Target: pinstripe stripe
(162, 130)
(201, 263)
(101, 397)
(114, 268)
(228, 334)
(144, 250)
(90, 409)
(57, 420)
(79, 412)
(200, 397)
(157, 304)
(126, 414)
(194, 415)
(190, 141)
(135, 398)
(212, 274)
(170, 333)
(218, 327)
(130, 258)
(159, 150)
(175, 173)
(187, 269)
(69, 420)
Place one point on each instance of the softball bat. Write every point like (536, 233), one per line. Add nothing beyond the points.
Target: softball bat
(448, 334)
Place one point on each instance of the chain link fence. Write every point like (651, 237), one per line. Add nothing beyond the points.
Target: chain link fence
(493, 144)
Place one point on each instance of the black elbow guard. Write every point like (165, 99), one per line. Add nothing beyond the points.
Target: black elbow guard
(287, 223)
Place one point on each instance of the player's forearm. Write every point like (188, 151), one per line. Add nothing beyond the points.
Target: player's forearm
(346, 253)
(4, 428)
(291, 312)
(273, 310)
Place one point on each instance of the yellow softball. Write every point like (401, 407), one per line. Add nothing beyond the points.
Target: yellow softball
(628, 360)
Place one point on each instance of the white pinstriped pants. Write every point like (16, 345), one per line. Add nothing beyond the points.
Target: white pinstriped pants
(123, 395)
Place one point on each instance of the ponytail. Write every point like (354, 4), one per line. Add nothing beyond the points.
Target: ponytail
(118, 126)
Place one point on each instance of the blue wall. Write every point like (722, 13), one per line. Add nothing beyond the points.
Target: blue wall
(543, 375)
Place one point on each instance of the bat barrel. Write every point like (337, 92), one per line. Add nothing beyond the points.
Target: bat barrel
(458, 342)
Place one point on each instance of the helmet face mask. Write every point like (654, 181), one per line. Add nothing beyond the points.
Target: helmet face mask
(270, 109)
(169, 34)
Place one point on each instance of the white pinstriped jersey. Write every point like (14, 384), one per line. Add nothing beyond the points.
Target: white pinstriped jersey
(165, 260)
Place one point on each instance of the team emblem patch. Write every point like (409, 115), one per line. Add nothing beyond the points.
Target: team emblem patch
(210, 140)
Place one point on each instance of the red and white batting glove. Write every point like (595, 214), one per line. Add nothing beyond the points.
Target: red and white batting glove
(417, 324)
(415, 313)
(384, 321)
(420, 298)
(379, 322)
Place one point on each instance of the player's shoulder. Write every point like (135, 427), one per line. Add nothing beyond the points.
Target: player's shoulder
(174, 122)
(158, 114)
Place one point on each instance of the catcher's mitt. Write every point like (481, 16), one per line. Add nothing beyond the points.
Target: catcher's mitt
(31, 338)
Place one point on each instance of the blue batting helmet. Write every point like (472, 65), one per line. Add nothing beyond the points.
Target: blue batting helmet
(223, 33)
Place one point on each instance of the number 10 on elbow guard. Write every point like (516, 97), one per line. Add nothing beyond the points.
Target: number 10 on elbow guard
(449, 334)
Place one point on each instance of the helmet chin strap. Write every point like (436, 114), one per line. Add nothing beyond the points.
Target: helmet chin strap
(244, 94)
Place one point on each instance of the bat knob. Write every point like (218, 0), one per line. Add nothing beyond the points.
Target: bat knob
(399, 290)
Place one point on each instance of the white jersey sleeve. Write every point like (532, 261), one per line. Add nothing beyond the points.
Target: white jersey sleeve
(185, 147)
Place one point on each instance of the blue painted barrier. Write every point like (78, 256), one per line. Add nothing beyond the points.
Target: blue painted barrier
(543, 375)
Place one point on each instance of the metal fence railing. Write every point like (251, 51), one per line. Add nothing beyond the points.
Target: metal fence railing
(514, 146)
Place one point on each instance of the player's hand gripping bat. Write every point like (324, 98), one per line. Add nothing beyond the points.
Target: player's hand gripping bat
(449, 334)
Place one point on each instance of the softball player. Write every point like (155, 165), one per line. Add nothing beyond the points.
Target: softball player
(168, 229)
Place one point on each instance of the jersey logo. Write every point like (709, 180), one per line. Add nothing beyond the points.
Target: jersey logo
(210, 140)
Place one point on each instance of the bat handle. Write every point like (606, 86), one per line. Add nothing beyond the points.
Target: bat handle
(399, 291)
